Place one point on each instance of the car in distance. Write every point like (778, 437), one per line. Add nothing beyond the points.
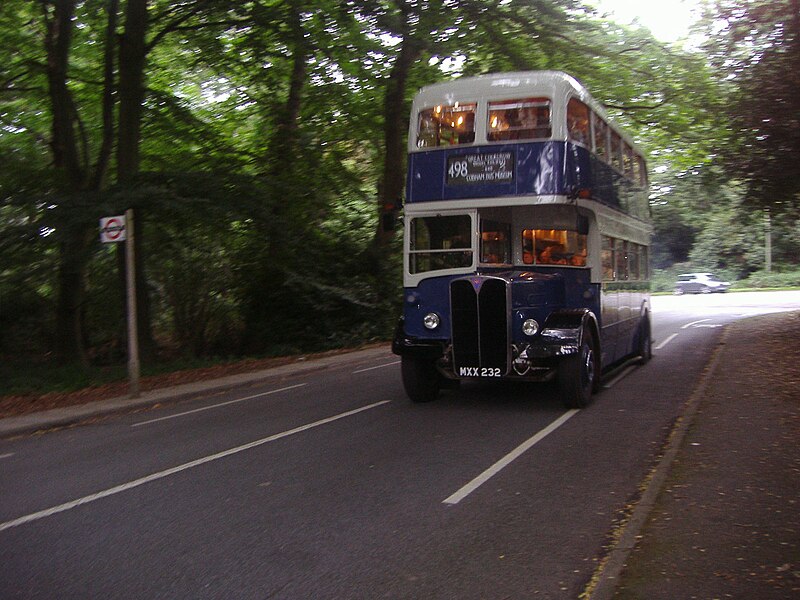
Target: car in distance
(699, 283)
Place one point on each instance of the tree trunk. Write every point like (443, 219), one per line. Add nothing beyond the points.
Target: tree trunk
(66, 160)
(390, 188)
(132, 55)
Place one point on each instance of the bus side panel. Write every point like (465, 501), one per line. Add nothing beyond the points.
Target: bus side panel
(621, 316)
(609, 333)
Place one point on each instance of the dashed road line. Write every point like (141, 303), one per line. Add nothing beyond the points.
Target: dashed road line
(694, 323)
(175, 470)
(397, 362)
(666, 341)
(473, 485)
(197, 410)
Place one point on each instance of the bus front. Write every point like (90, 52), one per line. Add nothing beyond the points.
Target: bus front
(501, 261)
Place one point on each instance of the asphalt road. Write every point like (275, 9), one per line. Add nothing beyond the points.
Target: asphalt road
(333, 485)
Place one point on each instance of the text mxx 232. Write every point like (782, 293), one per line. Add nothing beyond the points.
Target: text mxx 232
(479, 372)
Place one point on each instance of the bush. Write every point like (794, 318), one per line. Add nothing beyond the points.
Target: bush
(772, 279)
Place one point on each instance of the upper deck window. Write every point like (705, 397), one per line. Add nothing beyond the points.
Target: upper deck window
(616, 151)
(446, 125)
(600, 138)
(524, 119)
(578, 121)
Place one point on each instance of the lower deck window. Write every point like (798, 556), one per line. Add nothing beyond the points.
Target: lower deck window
(553, 247)
(495, 242)
(440, 243)
(623, 260)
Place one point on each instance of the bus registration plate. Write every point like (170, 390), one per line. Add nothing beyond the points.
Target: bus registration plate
(479, 372)
(470, 169)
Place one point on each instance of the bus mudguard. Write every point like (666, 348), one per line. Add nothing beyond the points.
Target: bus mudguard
(562, 333)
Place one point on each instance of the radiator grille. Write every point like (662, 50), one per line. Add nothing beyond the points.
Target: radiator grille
(479, 324)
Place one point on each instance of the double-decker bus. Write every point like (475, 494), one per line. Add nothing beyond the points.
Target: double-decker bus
(526, 237)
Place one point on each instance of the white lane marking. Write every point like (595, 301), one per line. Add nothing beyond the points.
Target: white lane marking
(397, 362)
(508, 459)
(666, 341)
(197, 410)
(174, 470)
(8, 455)
(694, 323)
(619, 377)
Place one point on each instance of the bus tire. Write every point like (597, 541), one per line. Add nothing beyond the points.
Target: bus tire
(579, 374)
(645, 350)
(421, 380)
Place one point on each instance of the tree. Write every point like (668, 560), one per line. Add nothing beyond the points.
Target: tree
(757, 51)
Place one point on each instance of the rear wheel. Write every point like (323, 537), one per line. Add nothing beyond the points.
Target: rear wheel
(645, 339)
(421, 380)
(579, 374)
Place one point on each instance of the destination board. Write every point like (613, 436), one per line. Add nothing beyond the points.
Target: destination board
(471, 169)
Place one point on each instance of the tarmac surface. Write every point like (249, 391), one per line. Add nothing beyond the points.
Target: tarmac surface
(718, 517)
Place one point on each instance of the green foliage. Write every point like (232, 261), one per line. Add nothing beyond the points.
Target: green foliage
(263, 142)
(755, 49)
(772, 279)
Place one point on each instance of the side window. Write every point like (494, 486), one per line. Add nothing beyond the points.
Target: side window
(440, 243)
(627, 158)
(621, 252)
(446, 125)
(637, 169)
(495, 242)
(600, 138)
(525, 119)
(616, 151)
(633, 262)
(642, 171)
(607, 257)
(578, 121)
(644, 263)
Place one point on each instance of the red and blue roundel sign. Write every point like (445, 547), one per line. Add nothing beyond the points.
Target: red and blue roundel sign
(112, 229)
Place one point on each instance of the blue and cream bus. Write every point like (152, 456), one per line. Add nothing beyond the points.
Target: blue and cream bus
(526, 237)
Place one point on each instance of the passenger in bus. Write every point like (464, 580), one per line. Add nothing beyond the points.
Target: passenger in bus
(552, 255)
(578, 260)
(527, 247)
(578, 125)
(528, 118)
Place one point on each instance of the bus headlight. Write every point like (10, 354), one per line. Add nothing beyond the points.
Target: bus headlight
(530, 327)
(431, 321)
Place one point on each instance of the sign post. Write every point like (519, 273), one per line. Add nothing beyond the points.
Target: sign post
(114, 230)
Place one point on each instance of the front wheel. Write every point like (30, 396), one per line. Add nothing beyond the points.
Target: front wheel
(421, 380)
(579, 374)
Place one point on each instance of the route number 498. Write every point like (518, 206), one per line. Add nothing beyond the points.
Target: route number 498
(458, 169)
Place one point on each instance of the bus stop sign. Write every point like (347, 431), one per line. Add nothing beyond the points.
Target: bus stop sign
(112, 229)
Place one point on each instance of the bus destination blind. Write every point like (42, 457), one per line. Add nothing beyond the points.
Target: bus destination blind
(470, 169)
